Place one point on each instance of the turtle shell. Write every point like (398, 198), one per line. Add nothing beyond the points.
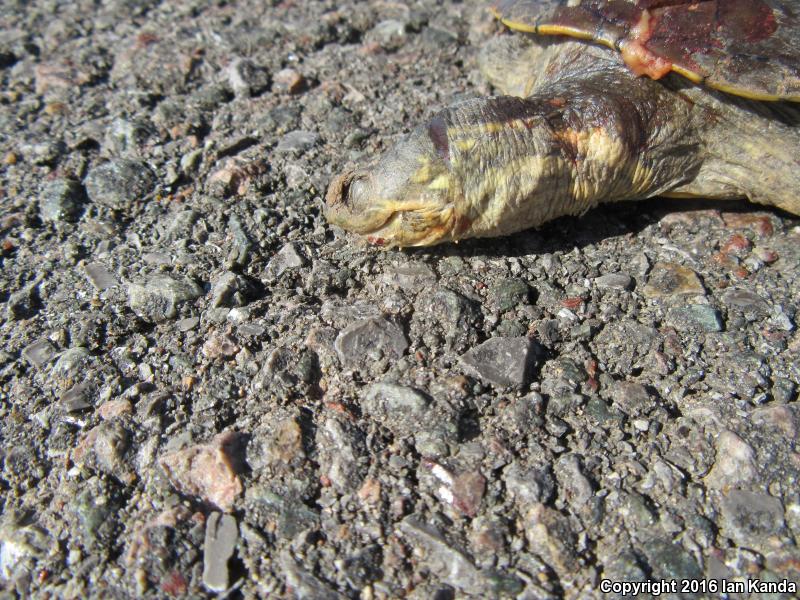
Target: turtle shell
(750, 48)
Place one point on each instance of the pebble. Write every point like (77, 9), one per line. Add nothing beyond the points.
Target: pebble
(435, 439)
(631, 398)
(111, 444)
(60, 200)
(24, 303)
(760, 224)
(671, 561)
(127, 135)
(399, 408)
(39, 353)
(297, 142)
(389, 34)
(70, 362)
(285, 259)
(291, 517)
(695, 317)
(436, 37)
(232, 177)
(304, 585)
(751, 518)
(187, 324)
(289, 81)
(573, 484)
(598, 410)
(229, 289)
(119, 182)
(463, 489)
(341, 453)
(502, 361)
(220, 542)
(285, 444)
(208, 471)
(281, 119)
(104, 447)
(112, 409)
(735, 462)
(246, 79)
(614, 281)
(450, 564)
(370, 340)
(91, 509)
(285, 368)
(765, 255)
(180, 225)
(99, 276)
(408, 276)
(783, 390)
(780, 320)
(43, 153)
(508, 293)
(745, 301)
(159, 297)
(777, 418)
(670, 279)
(551, 537)
(20, 544)
(77, 398)
(529, 485)
(220, 345)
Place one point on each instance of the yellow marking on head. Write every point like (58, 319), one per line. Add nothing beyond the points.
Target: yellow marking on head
(468, 133)
(442, 182)
(423, 174)
(531, 189)
(426, 172)
(465, 145)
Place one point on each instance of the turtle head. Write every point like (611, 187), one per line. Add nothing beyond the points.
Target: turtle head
(406, 198)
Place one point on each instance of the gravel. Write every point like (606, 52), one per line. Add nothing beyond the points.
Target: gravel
(207, 391)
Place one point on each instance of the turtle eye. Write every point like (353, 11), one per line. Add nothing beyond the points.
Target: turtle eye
(356, 188)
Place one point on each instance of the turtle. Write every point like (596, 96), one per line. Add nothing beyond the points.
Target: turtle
(599, 101)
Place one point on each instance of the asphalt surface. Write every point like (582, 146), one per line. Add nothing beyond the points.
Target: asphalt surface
(206, 390)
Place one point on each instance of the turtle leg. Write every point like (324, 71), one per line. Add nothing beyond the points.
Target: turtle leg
(752, 150)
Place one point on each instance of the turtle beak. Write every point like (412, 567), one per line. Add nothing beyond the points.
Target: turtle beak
(402, 199)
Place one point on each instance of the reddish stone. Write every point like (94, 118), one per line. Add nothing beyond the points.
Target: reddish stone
(736, 244)
(206, 470)
(760, 224)
(174, 584)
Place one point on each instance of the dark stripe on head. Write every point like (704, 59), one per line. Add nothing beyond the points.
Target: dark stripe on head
(437, 131)
(504, 109)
